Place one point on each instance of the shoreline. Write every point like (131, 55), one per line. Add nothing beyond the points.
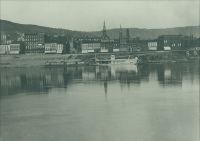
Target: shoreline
(55, 60)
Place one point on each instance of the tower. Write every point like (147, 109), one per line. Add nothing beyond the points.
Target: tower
(104, 36)
(127, 35)
(120, 35)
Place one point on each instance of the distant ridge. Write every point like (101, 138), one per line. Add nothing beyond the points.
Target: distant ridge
(154, 33)
(12, 29)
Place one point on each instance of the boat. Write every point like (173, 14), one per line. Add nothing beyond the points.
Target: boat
(129, 60)
(116, 61)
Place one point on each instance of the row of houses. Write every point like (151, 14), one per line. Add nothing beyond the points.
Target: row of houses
(173, 42)
(10, 49)
(48, 48)
(38, 43)
(128, 44)
(30, 43)
(53, 48)
(35, 43)
(162, 43)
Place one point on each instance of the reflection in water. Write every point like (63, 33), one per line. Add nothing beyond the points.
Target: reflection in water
(105, 84)
(42, 79)
(155, 102)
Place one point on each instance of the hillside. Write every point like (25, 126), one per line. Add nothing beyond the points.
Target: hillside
(12, 29)
(154, 33)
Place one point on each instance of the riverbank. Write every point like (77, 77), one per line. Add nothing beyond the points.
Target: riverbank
(40, 60)
(36, 60)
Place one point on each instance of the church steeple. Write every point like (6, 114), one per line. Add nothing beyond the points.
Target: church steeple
(120, 32)
(104, 26)
(104, 36)
(127, 35)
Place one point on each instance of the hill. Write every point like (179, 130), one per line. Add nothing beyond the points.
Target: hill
(13, 29)
(154, 33)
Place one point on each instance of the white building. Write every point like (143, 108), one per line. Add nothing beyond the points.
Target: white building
(115, 50)
(167, 48)
(53, 48)
(4, 49)
(50, 48)
(60, 48)
(152, 45)
(90, 47)
(14, 49)
(104, 50)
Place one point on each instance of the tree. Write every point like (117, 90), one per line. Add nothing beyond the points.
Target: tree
(66, 47)
(22, 47)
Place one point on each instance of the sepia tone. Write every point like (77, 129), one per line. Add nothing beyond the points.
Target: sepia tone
(99, 70)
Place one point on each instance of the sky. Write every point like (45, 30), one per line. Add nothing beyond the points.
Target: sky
(89, 15)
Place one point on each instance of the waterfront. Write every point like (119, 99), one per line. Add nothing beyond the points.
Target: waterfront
(41, 60)
(155, 102)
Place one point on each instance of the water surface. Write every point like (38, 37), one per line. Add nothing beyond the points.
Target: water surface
(157, 102)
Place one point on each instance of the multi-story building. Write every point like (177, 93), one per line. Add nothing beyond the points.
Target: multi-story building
(14, 49)
(34, 42)
(152, 45)
(190, 42)
(60, 48)
(51, 48)
(90, 47)
(170, 42)
(5, 40)
(4, 49)
(123, 41)
(136, 45)
(107, 45)
(10, 49)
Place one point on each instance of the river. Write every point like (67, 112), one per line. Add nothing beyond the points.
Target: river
(154, 102)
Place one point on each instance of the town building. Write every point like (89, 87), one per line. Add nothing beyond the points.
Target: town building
(105, 40)
(53, 48)
(107, 45)
(90, 47)
(128, 44)
(4, 49)
(14, 49)
(60, 48)
(34, 42)
(136, 45)
(152, 45)
(123, 43)
(190, 42)
(10, 49)
(170, 42)
(115, 46)
(5, 39)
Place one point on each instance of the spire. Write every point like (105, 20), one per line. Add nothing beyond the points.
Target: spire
(120, 28)
(120, 32)
(104, 25)
(104, 36)
(127, 35)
